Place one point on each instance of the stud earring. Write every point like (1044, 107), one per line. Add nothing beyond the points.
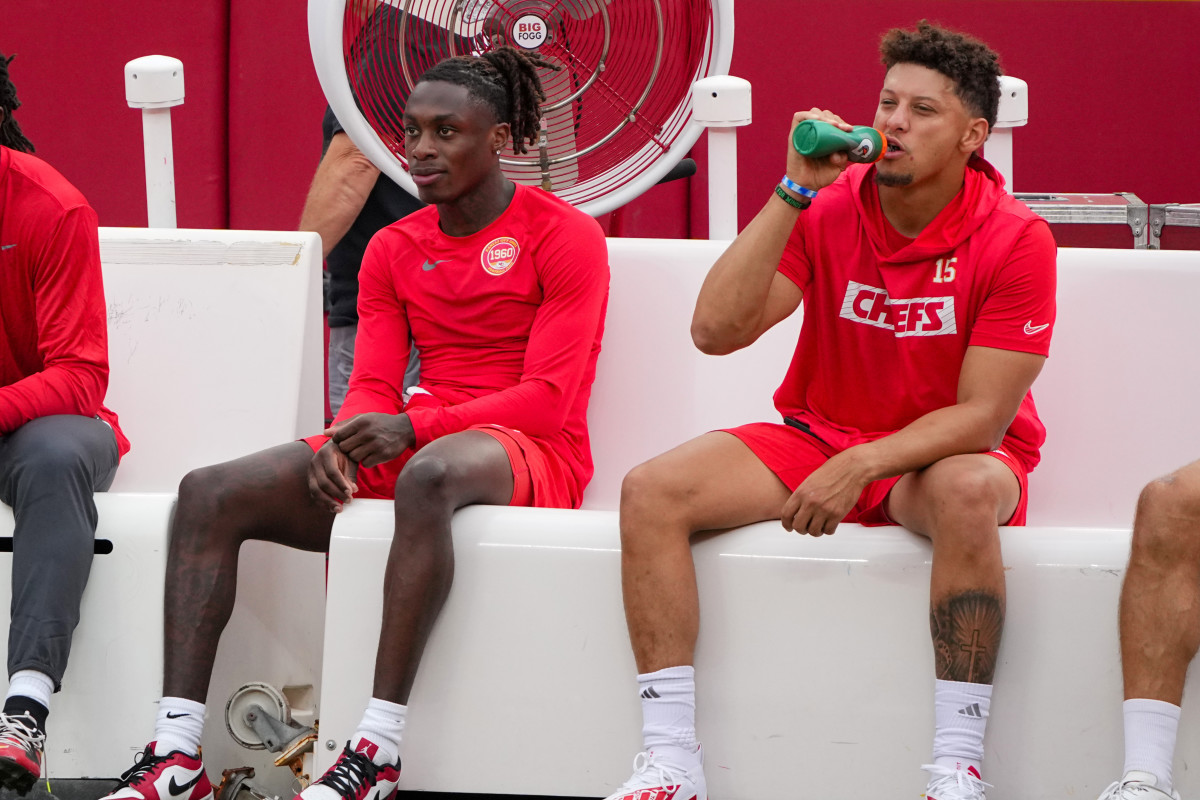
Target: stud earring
(497, 152)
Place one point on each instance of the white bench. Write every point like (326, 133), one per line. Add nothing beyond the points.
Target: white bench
(214, 351)
(527, 683)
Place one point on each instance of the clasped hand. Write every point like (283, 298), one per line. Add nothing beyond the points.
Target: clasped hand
(371, 439)
(365, 439)
(825, 497)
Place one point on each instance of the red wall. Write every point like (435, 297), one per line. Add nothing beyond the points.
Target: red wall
(69, 74)
(1112, 100)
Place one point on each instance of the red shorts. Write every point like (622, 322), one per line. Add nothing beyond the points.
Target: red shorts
(540, 478)
(793, 455)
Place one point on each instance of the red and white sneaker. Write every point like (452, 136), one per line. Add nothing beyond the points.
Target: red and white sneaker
(948, 783)
(174, 776)
(654, 778)
(354, 776)
(22, 745)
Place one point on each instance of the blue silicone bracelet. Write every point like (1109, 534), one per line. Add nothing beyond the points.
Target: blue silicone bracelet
(797, 188)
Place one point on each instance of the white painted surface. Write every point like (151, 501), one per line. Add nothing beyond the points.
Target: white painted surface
(214, 346)
(1118, 392)
(814, 656)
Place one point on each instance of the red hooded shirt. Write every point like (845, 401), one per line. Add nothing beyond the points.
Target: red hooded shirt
(887, 319)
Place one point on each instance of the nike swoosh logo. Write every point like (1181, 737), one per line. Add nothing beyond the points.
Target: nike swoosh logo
(176, 790)
(177, 716)
(1031, 329)
(428, 266)
(7, 246)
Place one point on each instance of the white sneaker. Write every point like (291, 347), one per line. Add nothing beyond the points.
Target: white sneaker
(1137, 786)
(656, 779)
(948, 783)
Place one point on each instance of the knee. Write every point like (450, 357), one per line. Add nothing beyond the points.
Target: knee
(650, 502)
(55, 459)
(968, 489)
(642, 489)
(209, 490)
(1171, 497)
(1167, 527)
(425, 478)
(965, 502)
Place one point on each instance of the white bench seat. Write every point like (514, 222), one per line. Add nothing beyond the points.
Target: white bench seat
(814, 659)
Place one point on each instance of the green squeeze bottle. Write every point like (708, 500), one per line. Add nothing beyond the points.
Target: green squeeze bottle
(815, 139)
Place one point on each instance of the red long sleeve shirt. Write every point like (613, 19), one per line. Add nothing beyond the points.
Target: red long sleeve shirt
(508, 322)
(53, 328)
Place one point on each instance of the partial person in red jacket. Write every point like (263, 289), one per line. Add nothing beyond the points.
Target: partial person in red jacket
(58, 443)
(503, 288)
(928, 297)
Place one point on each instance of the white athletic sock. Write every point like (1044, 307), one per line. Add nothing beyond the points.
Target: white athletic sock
(960, 718)
(1150, 729)
(382, 727)
(178, 727)
(32, 684)
(669, 714)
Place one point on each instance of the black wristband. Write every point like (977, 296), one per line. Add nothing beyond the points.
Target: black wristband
(791, 201)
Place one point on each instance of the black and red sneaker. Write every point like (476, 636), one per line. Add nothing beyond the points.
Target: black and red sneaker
(22, 744)
(355, 776)
(173, 776)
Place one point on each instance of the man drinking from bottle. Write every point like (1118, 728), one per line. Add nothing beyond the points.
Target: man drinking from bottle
(928, 299)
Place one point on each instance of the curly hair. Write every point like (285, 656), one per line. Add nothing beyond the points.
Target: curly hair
(506, 81)
(972, 65)
(10, 132)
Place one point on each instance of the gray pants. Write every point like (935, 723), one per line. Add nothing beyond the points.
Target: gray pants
(49, 469)
(341, 362)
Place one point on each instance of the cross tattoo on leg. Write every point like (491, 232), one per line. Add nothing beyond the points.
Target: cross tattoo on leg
(976, 650)
(966, 632)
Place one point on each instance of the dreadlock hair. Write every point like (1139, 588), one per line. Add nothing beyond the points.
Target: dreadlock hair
(506, 81)
(972, 65)
(10, 132)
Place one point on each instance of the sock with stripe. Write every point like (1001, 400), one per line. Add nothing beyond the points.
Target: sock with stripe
(960, 719)
(669, 714)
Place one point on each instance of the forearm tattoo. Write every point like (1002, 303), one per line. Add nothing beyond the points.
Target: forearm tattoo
(966, 636)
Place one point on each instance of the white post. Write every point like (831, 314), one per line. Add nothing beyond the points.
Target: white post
(721, 103)
(155, 84)
(1013, 113)
(999, 150)
(722, 183)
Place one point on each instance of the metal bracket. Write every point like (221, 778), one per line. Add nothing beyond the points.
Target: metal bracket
(1121, 207)
(1158, 219)
(1139, 220)
(275, 733)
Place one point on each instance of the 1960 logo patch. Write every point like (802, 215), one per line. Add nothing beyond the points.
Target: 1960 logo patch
(499, 255)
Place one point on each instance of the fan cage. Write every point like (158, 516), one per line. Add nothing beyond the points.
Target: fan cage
(617, 115)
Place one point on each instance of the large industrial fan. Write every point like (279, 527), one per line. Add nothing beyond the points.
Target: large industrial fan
(617, 116)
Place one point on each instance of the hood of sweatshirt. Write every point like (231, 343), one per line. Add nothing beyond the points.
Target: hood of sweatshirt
(982, 191)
